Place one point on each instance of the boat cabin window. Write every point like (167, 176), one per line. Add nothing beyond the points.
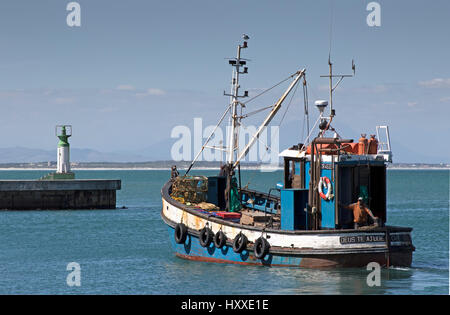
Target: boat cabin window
(293, 173)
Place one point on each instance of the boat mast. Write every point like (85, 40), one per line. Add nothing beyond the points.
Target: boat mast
(237, 63)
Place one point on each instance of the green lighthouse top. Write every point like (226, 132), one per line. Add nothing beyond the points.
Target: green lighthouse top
(63, 135)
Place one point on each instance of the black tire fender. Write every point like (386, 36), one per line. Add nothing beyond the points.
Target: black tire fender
(220, 239)
(206, 236)
(240, 243)
(180, 233)
(261, 248)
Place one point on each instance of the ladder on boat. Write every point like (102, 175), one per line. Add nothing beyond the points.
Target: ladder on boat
(384, 144)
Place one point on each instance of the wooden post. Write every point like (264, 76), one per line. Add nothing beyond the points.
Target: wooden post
(388, 245)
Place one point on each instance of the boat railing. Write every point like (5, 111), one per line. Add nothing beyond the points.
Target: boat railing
(256, 200)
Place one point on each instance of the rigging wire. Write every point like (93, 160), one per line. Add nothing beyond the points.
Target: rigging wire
(305, 109)
(262, 142)
(256, 111)
(263, 108)
(267, 90)
(207, 140)
(242, 116)
(306, 105)
(309, 135)
(282, 118)
(259, 139)
(289, 104)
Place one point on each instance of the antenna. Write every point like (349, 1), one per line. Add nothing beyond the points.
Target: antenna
(331, 29)
(330, 65)
(341, 77)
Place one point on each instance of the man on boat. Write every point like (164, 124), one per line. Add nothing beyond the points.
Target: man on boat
(360, 212)
(174, 172)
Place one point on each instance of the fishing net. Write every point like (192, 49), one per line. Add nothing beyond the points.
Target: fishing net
(193, 189)
(235, 204)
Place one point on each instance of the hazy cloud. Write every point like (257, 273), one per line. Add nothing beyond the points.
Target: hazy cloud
(436, 83)
(126, 87)
(63, 100)
(151, 91)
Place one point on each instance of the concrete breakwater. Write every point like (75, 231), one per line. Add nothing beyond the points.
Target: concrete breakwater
(58, 194)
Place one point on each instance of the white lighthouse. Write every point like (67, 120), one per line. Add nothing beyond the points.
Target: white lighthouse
(63, 158)
(63, 132)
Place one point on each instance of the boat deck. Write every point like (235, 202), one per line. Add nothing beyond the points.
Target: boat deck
(271, 221)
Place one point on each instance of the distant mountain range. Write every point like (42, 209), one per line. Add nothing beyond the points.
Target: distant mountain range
(161, 152)
(27, 155)
(156, 152)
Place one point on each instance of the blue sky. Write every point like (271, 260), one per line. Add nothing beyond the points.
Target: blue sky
(135, 69)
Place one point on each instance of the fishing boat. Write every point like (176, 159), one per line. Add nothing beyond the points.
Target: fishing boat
(301, 221)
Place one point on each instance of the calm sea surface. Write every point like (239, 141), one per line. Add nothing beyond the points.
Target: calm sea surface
(127, 251)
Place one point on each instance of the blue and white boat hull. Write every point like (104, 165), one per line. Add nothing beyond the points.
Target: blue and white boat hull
(311, 249)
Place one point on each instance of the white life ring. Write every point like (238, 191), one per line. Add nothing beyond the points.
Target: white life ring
(329, 194)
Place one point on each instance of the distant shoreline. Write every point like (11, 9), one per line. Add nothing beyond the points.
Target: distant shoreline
(184, 165)
(252, 168)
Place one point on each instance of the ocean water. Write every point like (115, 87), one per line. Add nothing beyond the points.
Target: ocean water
(127, 251)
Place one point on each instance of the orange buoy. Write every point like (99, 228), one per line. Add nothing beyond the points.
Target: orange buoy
(373, 145)
(363, 145)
